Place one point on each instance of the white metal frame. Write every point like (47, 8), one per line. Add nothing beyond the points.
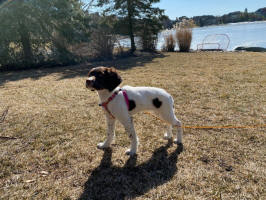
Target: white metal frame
(200, 46)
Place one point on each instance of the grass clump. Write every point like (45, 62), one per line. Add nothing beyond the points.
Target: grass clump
(184, 38)
(184, 34)
(169, 43)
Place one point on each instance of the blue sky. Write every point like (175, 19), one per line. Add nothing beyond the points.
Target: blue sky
(190, 8)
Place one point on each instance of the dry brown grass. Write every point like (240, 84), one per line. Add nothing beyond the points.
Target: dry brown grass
(169, 43)
(58, 124)
(184, 38)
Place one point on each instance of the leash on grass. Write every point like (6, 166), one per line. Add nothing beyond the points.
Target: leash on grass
(213, 127)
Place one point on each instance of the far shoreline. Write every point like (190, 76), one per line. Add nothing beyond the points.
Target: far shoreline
(235, 23)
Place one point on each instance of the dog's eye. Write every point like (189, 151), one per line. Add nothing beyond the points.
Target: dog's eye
(92, 74)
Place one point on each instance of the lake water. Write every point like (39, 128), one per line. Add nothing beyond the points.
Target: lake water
(250, 34)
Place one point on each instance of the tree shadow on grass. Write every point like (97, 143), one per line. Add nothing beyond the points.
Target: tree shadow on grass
(111, 182)
(68, 72)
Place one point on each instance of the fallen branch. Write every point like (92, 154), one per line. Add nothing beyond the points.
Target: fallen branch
(8, 138)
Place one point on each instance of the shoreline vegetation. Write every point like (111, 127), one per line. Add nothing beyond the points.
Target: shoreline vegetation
(49, 32)
(55, 34)
(208, 20)
(247, 22)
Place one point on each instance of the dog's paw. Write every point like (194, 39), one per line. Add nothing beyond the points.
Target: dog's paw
(177, 142)
(102, 145)
(167, 137)
(129, 152)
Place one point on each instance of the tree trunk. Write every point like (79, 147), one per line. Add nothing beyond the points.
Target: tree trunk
(130, 26)
(25, 41)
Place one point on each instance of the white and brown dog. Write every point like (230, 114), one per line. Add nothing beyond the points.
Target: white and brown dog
(122, 103)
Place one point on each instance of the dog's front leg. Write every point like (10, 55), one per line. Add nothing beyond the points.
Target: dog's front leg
(110, 133)
(129, 127)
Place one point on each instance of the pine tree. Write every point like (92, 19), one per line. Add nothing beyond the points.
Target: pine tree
(33, 31)
(135, 15)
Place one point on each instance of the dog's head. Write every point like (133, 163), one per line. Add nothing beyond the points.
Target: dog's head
(101, 78)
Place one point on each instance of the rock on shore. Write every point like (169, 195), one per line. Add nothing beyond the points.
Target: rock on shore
(253, 49)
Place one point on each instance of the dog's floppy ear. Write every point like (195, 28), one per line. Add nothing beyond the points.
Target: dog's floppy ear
(112, 78)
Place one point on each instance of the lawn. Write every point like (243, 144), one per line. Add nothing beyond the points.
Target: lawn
(52, 125)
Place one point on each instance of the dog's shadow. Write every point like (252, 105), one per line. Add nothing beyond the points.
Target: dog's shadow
(111, 182)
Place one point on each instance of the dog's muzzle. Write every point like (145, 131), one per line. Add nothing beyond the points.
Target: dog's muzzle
(89, 82)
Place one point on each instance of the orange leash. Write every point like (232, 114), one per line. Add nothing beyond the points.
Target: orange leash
(225, 127)
(213, 127)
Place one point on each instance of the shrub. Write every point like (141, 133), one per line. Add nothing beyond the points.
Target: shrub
(120, 51)
(102, 44)
(184, 38)
(148, 30)
(103, 39)
(38, 33)
(169, 43)
(184, 34)
(148, 42)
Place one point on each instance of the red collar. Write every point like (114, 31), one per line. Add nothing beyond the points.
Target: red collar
(105, 104)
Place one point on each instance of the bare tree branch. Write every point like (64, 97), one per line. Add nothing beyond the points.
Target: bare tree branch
(88, 5)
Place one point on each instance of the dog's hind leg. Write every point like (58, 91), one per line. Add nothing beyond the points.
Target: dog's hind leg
(168, 116)
(176, 124)
(168, 135)
(110, 133)
(179, 134)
